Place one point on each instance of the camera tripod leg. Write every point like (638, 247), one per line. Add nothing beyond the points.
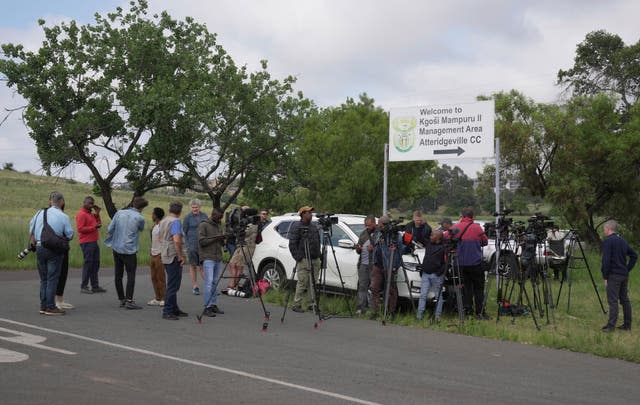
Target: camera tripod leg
(323, 268)
(387, 288)
(286, 301)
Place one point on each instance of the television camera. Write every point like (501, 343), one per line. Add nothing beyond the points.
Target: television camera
(326, 220)
(392, 227)
(503, 225)
(241, 218)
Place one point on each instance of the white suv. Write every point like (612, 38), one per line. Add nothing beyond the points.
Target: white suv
(273, 261)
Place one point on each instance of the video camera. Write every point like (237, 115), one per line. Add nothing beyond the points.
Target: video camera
(538, 226)
(326, 220)
(503, 226)
(392, 227)
(240, 218)
(451, 243)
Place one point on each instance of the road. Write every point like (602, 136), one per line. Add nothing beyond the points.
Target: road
(101, 354)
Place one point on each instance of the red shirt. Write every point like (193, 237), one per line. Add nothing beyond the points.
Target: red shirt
(86, 223)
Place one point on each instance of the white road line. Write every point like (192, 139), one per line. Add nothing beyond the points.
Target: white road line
(196, 363)
(28, 339)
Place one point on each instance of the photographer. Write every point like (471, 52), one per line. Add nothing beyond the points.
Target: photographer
(301, 232)
(88, 222)
(432, 273)
(244, 252)
(471, 238)
(387, 243)
(364, 248)
(210, 240)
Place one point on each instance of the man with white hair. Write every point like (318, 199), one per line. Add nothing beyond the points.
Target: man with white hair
(190, 226)
(615, 271)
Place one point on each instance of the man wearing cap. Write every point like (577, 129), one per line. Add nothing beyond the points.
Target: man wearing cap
(304, 235)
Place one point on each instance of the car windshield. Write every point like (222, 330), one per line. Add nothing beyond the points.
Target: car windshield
(356, 228)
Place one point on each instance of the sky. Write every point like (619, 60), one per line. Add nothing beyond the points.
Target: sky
(402, 53)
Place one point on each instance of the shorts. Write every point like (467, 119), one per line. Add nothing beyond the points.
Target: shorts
(238, 256)
(194, 257)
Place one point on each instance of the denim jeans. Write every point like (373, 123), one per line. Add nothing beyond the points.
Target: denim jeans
(174, 279)
(49, 266)
(428, 281)
(212, 270)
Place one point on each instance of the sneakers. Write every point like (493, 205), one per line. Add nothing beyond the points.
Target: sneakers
(297, 308)
(53, 311)
(98, 290)
(196, 291)
(209, 312)
(86, 290)
(123, 303)
(180, 313)
(170, 317)
(64, 305)
(161, 303)
(419, 316)
(217, 310)
(154, 303)
(42, 310)
(132, 305)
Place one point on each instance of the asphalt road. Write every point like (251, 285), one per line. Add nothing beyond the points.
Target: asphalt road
(101, 354)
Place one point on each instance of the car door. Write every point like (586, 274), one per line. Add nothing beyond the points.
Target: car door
(345, 261)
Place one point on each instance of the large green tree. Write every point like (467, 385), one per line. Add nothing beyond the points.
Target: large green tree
(604, 64)
(339, 159)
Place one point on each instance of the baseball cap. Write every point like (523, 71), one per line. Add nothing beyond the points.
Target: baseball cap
(304, 208)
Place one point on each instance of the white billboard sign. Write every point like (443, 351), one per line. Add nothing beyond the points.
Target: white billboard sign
(456, 131)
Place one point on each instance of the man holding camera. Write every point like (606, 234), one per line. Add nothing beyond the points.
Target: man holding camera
(304, 238)
(244, 250)
(471, 238)
(419, 230)
(88, 222)
(364, 248)
(387, 244)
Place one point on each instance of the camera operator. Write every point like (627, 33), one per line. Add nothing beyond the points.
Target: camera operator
(445, 224)
(419, 230)
(469, 253)
(387, 237)
(364, 248)
(210, 240)
(299, 232)
(615, 271)
(432, 273)
(244, 252)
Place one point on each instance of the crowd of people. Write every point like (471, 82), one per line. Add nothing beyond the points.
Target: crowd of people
(204, 238)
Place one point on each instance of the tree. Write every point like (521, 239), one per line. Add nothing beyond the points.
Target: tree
(122, 97)
(455, 188)
(339, 159)
(604, 64)
(596, 174)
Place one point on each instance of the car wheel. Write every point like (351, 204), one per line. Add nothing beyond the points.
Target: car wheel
(274, 273)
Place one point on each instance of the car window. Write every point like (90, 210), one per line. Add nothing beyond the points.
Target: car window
(356, 228)
(283, 228)
(337, 233)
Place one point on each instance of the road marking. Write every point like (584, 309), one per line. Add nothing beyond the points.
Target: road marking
(9, 356)
(28, 339)
(197, 363)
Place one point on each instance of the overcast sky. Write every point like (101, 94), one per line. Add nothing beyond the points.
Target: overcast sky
(401, 53)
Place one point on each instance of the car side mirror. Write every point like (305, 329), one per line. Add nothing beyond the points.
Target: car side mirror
(346, 243)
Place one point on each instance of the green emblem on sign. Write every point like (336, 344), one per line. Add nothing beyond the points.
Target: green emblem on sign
(403, 136)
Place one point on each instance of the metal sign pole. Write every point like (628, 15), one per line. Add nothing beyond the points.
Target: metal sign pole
(497, 241)
(385, 179)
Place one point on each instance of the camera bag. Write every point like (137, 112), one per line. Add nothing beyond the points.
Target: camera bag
(50, 240)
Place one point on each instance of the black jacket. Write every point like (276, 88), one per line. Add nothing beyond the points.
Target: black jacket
(433, 262)
(296, 240)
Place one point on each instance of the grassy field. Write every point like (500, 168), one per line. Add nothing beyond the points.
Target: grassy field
(576, 329)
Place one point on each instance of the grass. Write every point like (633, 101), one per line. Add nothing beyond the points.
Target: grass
(576, 329)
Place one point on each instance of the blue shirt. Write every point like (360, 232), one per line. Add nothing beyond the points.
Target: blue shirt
(190, 225)
(123, 231)
(57, 220)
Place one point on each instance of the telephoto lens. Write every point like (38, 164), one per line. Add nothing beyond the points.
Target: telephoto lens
(23, 254)
(235, 293)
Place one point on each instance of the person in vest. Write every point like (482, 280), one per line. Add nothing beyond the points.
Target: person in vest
(173, 260)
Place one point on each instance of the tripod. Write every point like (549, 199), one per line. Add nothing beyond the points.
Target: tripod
(520, 278)
(574, 240)
(326, 241)
(312, 283)
(453, 274)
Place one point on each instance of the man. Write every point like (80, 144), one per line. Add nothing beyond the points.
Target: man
(364, 248)
(445, 224)
(190, 226)
(432, 273)
(50, 260)
(242, 254)
(304, 235)
(122, 238)
(615, 271)
(264, 220)
(89, 224)
(173, 260)
(387, 244)
(419, 229)
(469, 252)
(210, 240)
(158, 278)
